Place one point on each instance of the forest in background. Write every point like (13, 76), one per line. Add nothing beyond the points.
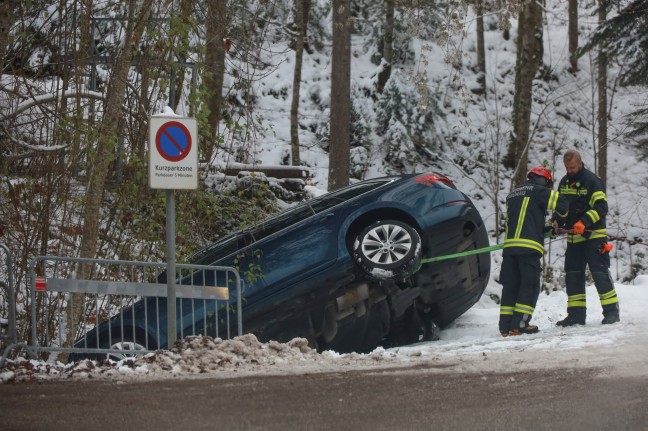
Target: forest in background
(368, 87)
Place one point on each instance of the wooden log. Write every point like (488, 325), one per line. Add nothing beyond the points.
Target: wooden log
(272, 171)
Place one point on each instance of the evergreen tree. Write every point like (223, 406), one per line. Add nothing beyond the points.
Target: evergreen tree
(406, 120)
(624, 37)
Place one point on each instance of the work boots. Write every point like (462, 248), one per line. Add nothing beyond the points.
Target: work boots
(504, 324)
(610, 318)
(520, 325)
(571, 320)
(530, 329)
(611, 314)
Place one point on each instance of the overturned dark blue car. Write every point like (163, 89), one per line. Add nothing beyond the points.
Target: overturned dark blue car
(343, 270)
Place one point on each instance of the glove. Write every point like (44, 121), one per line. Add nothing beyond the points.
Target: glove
(548, 231)
(605, 248)
(578, 228)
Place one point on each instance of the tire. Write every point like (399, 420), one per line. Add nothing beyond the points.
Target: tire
(129, 349)
(128, 344)
(388, 250)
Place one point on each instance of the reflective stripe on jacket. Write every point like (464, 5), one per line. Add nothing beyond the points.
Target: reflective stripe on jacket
(526, 208)
(587, 203)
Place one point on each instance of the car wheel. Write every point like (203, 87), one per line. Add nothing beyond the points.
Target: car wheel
(388, 249)
(128, 348)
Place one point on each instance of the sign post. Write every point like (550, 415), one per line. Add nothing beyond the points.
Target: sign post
(173, 164)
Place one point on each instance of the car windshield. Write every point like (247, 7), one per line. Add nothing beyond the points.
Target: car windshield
(238, 240)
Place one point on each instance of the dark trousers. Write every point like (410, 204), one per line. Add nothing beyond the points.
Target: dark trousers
(579, 256)
(520, 278)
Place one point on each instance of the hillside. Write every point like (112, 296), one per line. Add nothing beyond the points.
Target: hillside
(468, 134)
(430, 117)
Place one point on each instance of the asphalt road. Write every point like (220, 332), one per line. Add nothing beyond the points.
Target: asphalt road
(405, 399)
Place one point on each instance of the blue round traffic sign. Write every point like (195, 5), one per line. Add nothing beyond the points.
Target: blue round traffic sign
(173, 141)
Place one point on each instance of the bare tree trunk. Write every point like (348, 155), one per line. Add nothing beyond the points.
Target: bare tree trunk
(108, 136)
(572, 31)
(481, 50)
(82, 55)
(528, 61)
(180, 51)
(7, 19)
(602, 103)
(388, 45)
(109, 127)
(302, 9)
(340, 134)
(214, 69)
(144, 108)
(504, 18)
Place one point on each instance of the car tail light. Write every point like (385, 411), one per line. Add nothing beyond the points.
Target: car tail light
(432, 179)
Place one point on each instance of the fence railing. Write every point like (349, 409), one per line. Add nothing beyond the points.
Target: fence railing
(98, 308)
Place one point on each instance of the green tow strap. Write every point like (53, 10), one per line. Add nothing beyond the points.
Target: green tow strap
(464, 253)
(470, 252)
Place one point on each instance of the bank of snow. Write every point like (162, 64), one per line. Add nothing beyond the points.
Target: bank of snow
(470, 344)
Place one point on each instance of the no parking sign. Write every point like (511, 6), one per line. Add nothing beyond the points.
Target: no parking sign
(173, 161)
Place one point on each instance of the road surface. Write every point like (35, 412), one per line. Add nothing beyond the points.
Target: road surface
(416, 398)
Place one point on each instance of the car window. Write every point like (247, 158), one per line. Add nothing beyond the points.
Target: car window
(218, 250)
(360, 188)
(312, 207)
(329, 200)
(325, 202)
(280, 222)
(234, 242)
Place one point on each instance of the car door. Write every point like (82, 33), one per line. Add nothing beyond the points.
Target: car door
(300, 249)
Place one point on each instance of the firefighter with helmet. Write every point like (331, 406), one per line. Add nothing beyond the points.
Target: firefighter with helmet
(526, 208)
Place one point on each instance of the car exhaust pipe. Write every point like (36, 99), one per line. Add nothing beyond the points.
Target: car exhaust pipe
(351, 302)
(352, 297)
(354, 301)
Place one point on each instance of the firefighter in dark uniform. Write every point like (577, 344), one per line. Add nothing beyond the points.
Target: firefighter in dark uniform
(526, 208)
(586, 242)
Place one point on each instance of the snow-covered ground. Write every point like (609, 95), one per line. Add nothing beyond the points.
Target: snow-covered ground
(470, 344)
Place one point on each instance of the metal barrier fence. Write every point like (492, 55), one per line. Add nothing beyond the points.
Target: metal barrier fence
(98, 308)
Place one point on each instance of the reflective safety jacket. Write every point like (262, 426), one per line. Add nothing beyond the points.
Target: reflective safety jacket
(587, 203)
(526, 208)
